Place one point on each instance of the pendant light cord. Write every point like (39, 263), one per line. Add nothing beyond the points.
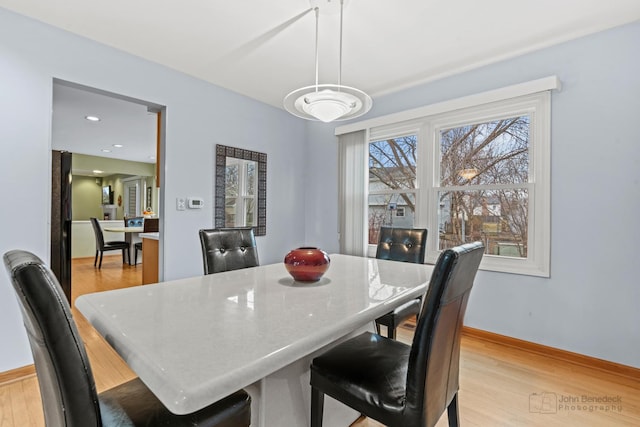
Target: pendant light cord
(340, 58)
(317, 10)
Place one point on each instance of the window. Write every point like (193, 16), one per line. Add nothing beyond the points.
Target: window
(392, 183)
(482, 190)
(479, 173)
(240, 193)
(490, 182)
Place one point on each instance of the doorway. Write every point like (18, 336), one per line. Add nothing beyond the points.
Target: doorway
(122, 134)
(131, 195)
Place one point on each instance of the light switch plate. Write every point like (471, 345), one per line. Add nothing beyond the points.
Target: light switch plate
(181, 203)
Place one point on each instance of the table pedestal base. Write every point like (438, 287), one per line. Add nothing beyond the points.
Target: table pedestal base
(284, 397)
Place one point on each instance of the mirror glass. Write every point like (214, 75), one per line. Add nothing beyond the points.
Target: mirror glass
(241, 189)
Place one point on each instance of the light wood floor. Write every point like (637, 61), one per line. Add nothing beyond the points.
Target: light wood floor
(499, 385)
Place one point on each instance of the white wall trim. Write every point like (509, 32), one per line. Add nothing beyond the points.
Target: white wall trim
(501, 94)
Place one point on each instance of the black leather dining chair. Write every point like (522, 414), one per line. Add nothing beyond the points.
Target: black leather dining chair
(112, 245)
(397, 384)
(406, 245)
(67, 386)
(225, 249)
(149, 225)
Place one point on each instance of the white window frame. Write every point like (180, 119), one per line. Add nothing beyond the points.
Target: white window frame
(537, 107)
(355, 137)
(397, 130)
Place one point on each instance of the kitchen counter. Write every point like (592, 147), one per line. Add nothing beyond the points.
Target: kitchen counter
(150, 235)
(150, 257)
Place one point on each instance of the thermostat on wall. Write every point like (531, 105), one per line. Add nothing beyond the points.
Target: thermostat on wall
(195, 203)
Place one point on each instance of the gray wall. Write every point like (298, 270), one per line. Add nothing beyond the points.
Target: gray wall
(198, 116)
(590, 303)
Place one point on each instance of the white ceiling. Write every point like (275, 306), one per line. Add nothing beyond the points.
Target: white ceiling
(265, 49)
(121, 123)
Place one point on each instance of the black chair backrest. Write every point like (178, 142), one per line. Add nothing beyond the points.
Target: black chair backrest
(97, 230)
(66, 382)
(402, 244)
(432, 376)
(151, 225)
(134, 221)
(225, 249)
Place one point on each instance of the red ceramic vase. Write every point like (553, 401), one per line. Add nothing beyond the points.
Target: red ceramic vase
(307, 264)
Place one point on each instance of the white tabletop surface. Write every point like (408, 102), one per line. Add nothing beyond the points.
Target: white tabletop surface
(194, 341)
(124, 229)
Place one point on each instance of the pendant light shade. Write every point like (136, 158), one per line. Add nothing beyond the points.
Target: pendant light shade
(328, 102)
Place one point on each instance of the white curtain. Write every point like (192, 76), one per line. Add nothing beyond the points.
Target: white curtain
(353, 169)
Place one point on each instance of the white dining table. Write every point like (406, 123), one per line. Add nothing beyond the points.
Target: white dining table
(193, 341)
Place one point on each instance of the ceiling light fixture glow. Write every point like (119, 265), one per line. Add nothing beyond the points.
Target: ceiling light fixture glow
(92, 118)
(118, 145)
(328, 102)
(105, 150)
(468, 173)
(97, 171)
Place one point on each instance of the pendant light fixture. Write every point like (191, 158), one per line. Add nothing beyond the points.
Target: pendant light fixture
(328, 102)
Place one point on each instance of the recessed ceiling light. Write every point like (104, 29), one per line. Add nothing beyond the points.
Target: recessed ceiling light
(97, 171)
(105, 150)
(152, 157)
(92, 118)
(118, 145)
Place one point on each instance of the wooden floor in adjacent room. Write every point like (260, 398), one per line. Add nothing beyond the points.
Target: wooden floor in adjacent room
(499, 385)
